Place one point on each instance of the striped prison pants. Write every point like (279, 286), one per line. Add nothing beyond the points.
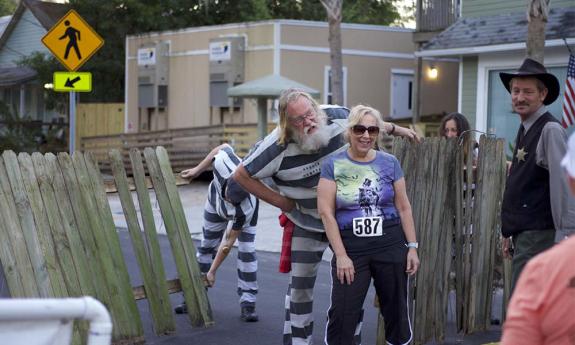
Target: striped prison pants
(306, 252)
(214, 229)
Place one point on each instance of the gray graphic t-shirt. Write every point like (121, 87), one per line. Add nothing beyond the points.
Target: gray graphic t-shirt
(364, 206)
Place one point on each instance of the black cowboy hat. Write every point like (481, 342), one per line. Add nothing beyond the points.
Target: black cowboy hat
(532, 68)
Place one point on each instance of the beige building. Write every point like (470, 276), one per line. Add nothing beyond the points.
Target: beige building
(178, 78)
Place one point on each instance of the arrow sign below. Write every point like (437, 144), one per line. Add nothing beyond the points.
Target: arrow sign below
(72, 81)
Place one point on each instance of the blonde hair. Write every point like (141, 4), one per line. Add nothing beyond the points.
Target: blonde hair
(287, 97)
(359, 112)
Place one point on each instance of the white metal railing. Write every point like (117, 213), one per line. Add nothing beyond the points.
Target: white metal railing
(50, 321)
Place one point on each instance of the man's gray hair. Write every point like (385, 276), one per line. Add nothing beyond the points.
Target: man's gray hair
(289, 96)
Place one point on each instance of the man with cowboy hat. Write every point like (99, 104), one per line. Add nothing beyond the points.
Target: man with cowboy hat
(537, 209)
(539, 313)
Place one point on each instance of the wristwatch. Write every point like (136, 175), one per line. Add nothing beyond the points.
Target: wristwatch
(413, 245)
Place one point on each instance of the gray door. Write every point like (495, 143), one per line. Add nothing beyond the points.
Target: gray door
(401, 102)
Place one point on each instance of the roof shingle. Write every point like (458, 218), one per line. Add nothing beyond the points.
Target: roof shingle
(501, 29)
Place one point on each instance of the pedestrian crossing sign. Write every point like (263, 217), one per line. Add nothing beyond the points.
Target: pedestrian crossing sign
(72, 41)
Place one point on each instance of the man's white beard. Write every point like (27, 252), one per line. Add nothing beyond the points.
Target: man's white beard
(317, 140)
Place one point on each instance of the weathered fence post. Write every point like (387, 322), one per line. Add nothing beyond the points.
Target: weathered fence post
(455, 206)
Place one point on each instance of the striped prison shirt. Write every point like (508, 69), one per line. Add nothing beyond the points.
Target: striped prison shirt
(224, 164)
(294, 172)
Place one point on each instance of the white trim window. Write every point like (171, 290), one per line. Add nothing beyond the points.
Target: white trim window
(327, 85)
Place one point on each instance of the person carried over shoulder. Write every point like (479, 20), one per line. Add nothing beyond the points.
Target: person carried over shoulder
(230, 213)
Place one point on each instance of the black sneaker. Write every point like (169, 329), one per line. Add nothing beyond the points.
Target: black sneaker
(181, 309)
(249, 314)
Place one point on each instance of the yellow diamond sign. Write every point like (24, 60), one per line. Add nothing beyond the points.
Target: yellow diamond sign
(73, 81)
(72, 41)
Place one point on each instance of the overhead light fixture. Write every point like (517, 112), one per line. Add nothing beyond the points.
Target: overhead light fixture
(48, 86)
(432, 72)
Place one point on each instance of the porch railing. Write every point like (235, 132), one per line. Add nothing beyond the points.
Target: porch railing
(436, 15)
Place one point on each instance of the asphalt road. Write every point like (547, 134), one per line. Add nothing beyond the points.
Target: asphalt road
(229, 329)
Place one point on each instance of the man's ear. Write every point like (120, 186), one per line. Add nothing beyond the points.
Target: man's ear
(544, 94)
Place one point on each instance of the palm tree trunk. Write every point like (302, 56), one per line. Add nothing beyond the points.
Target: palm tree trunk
(336, 61)
(537, 19)
(334, 14)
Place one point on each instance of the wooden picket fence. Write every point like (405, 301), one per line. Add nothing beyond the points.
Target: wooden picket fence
(59, 238)
(457, 226)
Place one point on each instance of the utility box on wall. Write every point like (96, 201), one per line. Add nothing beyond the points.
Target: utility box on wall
(153, 69)
(226, 56)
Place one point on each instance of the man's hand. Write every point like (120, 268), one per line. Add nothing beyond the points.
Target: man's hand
(210, 278)
(190, 174)
(287, 205)
(407, 133)
(506, 247)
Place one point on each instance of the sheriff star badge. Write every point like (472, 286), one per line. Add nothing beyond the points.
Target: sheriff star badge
(521, 153)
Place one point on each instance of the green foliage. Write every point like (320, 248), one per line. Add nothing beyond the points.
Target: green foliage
(45, 65)
(17, 134)
(408, 9)
(370, 12)
(114, 19)
(216, 12)
(25, 135)
(302, 10)
(377, 12)
(7, 7)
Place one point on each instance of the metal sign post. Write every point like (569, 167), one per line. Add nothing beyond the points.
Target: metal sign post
(72, 122)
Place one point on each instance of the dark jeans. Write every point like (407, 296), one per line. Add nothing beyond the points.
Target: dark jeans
(527, 244)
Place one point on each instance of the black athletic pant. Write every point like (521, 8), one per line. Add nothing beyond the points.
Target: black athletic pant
(387, 268)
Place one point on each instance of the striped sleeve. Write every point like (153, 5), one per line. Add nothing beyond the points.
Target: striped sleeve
(327, 169)
(264, 161)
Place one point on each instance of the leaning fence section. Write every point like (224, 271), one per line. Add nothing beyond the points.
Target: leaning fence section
(59, 237)
(455, 203)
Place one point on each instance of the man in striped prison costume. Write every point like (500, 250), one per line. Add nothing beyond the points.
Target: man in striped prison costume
(291, 155)
(228, 204)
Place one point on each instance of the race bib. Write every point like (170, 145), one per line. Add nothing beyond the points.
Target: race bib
(367, 226)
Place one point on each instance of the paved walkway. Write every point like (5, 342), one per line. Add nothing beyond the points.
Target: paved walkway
(268, 240)
(193, 197)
